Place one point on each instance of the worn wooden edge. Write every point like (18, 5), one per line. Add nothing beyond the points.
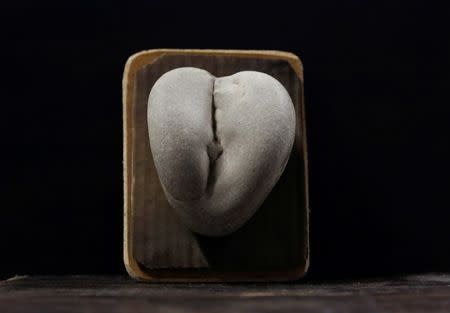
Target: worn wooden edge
(133, 64)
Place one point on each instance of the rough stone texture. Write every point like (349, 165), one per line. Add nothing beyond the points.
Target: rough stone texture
(219, 144)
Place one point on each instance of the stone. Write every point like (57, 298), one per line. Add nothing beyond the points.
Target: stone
(219, 144)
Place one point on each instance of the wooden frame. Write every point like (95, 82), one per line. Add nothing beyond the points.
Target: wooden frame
(136, 62)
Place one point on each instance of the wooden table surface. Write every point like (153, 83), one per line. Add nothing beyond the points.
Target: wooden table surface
(418, 293)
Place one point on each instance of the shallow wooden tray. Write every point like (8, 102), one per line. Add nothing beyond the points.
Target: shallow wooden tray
(272, 246)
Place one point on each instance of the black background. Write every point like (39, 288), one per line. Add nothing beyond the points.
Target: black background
(377, 79)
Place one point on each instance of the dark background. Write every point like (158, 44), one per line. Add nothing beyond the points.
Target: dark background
(377, 79)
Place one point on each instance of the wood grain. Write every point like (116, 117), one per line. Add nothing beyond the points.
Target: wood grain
(420, 293)
(272, 245)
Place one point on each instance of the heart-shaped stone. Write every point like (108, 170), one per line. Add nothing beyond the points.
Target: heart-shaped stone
(219, 144)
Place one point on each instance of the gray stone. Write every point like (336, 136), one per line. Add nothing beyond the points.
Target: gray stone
(219, 144)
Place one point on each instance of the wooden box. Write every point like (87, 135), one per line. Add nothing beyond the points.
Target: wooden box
(271, 246)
